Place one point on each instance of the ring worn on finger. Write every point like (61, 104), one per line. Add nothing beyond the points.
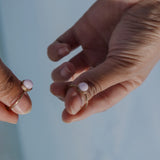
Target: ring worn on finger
(26, 86)
(82, 88)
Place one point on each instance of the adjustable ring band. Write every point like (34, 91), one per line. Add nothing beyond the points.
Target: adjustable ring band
(26, 86)
(86, 100)
(73, 85)
(17, 101)
(82, 88)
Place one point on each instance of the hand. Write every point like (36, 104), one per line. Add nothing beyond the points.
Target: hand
(118, 54)
(10, 90)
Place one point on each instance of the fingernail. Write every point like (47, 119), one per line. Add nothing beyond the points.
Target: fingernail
(24, 105)
(65, 72)
(76, 103)
(63, 51)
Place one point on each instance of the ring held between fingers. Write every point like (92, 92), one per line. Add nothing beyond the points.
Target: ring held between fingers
(11, 89)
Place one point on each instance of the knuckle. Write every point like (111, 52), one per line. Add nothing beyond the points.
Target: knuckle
(108, 103)
(126, 63)
(94, 87)
(138, 80)
(141, 25)
(143, 21)
(105, 101)
(125, 87)
(7, 84)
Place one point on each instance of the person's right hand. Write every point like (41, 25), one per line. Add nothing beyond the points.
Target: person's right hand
(118, 54)
(10, 90)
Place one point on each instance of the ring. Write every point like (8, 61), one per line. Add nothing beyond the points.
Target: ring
(17, 101)
(82, 88)
(26, 86)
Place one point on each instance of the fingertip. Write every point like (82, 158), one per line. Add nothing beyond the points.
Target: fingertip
(66, 117)
(54, 89)
(64, 72)
(73, 101)
(58, 89)
(58, 50)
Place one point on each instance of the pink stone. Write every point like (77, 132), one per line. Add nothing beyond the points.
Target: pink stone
(28, 84)
(83, 86)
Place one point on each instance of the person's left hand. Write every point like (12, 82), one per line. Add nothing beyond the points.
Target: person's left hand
(13, 100)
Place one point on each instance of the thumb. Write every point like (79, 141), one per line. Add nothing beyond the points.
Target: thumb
(11, 91)
(98, 79)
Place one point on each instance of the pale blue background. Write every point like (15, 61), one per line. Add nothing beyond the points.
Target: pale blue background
(128, 131)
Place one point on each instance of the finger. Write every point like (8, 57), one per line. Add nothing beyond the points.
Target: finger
(98, 79)
(87, 59)
(63, 45)
(10, 91)
(78, 64)
(59, 89)
(7, 115)
(101, 102)
(69, 41)
(64, 72)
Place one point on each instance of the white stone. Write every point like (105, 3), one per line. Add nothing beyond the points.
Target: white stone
(83, 86)
(28, 84)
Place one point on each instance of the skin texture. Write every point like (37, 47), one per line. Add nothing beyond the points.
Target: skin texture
(120, 41)
(10, 90)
